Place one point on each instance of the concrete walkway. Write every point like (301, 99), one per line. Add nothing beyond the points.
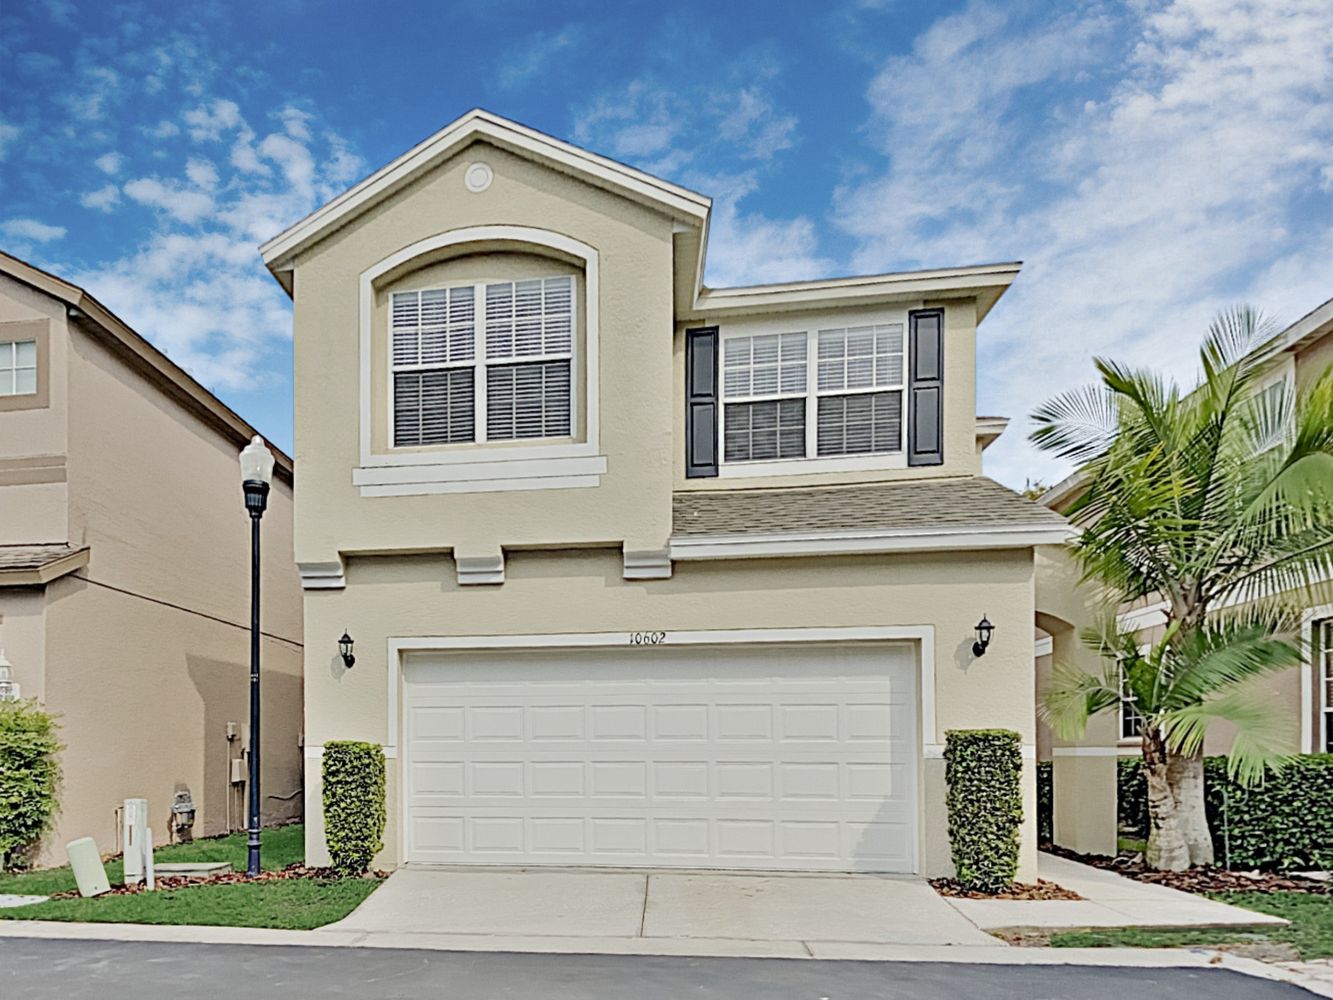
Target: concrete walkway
(1109, 900)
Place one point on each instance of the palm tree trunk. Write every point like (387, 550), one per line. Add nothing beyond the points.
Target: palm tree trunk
(1167, 847)
(1185, 776)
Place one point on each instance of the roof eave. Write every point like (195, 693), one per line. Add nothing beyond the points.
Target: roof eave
(985, 282)
(39, 576)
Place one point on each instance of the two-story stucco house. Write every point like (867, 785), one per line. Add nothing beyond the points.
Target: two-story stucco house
(640, 572)
(125, 572)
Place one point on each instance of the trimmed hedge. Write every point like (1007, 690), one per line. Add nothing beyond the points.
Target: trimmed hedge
(29, 778)
(1284, 824)
(353, 804)
(983, 770)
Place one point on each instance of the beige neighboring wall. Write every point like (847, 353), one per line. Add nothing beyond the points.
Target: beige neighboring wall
(33, 439)
(143, 653)
(573, 592)
(634, 244)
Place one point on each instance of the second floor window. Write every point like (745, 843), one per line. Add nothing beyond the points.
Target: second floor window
(18, 368)
(485, 362)
(827, 393)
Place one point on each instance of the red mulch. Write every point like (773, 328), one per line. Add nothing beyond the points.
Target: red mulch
(1041, 889)
(224, 878)
(1200, 880)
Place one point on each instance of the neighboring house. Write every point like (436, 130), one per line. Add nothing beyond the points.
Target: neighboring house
(124, 571)
(1301, 353)
(640, 572)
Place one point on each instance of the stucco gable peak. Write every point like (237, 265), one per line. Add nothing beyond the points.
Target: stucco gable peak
(687, 207)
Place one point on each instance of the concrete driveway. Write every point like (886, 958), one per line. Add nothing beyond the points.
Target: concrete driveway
(781, 914)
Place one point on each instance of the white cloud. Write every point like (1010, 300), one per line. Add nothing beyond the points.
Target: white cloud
(8, 135)
(182, 203)
(1141, 204)
(194, 284)
(109, 163)
(208, 121)
(535, 55)
(163, 130)
(750, 248)
(104, 199)
(60, 11)
(31, 230)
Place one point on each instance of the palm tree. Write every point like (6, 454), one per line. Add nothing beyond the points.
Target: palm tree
(1218, 501)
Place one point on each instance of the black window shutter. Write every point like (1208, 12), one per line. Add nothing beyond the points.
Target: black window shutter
(701, 402)
(925, 420)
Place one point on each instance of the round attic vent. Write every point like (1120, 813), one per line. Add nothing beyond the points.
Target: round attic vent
(478, 177)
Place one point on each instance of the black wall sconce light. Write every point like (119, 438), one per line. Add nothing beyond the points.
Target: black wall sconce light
(345, 648)
(984, 630)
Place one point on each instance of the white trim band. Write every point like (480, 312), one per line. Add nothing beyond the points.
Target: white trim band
(866, 542)
(1086, 752)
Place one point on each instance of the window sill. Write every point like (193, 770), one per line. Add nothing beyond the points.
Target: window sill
(812, 466)
(481, 471)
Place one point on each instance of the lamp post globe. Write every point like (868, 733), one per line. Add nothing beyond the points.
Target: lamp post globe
(256, 476)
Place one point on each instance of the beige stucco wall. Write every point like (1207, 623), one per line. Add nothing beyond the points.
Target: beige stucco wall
(560, 592)
(962, 457)
(34, 506)
(632, 504)
(145, 652)
(1083, 770)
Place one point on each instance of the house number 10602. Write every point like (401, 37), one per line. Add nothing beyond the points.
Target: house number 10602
(647, 638)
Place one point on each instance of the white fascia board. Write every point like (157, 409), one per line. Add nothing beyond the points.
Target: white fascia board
(1318, 322)
(867, 542)
(873, 288)
(477, 124)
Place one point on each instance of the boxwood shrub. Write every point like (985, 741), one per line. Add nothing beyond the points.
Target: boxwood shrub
(29, 778)
(983, 770)
(353, 804)
(1283, 824)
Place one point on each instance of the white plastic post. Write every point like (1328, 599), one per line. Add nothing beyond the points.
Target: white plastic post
(89, 872)
(135, 820)
(148, 874)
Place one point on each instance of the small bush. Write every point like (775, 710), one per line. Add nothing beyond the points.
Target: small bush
(1131, 796)
(983, 770)
(29, 778)
(353, 804)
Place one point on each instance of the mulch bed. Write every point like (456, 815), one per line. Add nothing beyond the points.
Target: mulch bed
(1198, 880)
(162, 882)
(1041, 889)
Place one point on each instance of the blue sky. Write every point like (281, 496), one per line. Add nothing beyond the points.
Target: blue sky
(1149, 161)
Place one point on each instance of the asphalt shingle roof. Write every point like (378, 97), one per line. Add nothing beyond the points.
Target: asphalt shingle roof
(21, 557)
(906, 505)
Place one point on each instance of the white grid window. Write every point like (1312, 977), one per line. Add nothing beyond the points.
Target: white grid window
(18, 368)
(764, 384)
(1131, 722)
(483, 362)
(530, 328)
(860, 388)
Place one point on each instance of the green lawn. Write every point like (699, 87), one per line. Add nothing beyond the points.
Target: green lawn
(298, 904)
(1310, 931)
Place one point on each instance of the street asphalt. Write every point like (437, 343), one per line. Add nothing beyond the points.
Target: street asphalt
(39, 969)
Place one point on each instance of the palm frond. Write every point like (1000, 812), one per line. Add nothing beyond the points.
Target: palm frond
(1072, 696)
(1261, 730)
(1077, 424)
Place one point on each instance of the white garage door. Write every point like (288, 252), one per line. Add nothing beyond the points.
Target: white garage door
(743, 757)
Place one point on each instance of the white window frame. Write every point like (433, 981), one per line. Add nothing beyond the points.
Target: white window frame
(558, 464)
(811, 463)
(480, 364)
(9, 364)
(1315, 698)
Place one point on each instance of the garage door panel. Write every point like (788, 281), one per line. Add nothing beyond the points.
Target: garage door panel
(774, 759)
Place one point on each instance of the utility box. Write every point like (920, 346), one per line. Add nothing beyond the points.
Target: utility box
(238, 774)
(134, 819)
(89, 872)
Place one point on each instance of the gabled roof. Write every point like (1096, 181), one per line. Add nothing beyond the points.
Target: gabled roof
(174, 380)
(680, 203)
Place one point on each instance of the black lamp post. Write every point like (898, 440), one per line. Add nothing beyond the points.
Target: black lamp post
(256, 475)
